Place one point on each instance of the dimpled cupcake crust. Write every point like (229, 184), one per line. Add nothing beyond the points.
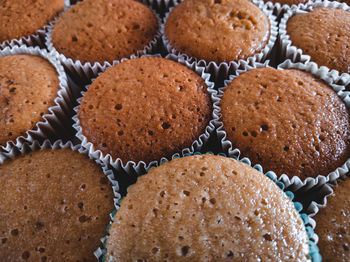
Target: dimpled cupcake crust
(288, 121)
(144, 109)
(220, 30)
(20, 18)
(101, 30)
(333, 223)
(54, 206)
(323, 34)
(28, 87)
(206, 208)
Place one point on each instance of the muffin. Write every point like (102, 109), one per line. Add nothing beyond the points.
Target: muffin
(101, 30)
(288, 121)
(19, 18)
(333, 223)
(144, 109)
(220, 30)
(29, 85)
(324, 35)
(54, 206)
(206, 208)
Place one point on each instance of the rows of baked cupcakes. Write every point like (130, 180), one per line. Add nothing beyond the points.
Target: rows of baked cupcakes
(26, 254)
(215, 66)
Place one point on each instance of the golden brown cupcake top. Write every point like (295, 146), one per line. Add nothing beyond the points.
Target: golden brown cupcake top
(288, 121)
(104, 30)
(20, 18)
(217, 30)
(28, 87)
(324, 34)
(206, 208)
(54, 206)
(333, 223)
(144, 109)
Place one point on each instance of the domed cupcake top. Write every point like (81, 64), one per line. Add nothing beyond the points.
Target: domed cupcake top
(333, 223)
(144, 109)
(100, 30)
(54, 206)
(206, 208)
(29, 85)
(220, 30)
(19, 18)
(288, 121)
(324, 35)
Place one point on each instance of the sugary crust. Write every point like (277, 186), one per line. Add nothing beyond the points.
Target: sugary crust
(333, 223)
(206, 208)
(144, 109)
(324, 34)
(104, 30)
(54, 206)
(20, 18)
(28, 87)
(288, 121)
(221, 30)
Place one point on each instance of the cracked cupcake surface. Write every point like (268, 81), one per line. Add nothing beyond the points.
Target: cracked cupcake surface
(144, 109)
(100, 30)
(206, 208)
(220, 30)
(288, 121)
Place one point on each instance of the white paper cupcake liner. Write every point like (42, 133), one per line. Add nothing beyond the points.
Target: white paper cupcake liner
(287, 49)
(306, 216)
(52, 123)
(36, 39)
(279, 9)
(224, 69)
(84, 72)
(294, 183)
(16, 151)
(141, 167)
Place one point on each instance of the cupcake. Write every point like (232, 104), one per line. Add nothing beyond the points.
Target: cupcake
(220, 31)
(54, 206)
(286, 120)
(20, 18)
(99, 30)
(144, 109)
(206, 208)
(324, 35)
(29, 86)
(333, 222)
